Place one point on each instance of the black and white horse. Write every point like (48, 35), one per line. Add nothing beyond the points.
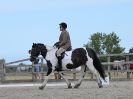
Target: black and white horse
(84, 57)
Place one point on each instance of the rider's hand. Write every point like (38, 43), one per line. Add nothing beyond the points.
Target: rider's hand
(57, 44)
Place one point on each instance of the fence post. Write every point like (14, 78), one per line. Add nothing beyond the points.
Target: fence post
(108, 59)
(74, 74)
(2, 70)
(91, 76)
(33, 73)
(128, 73)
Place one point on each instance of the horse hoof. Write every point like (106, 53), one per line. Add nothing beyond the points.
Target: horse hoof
(76, 86)
(100, 86)
(41, 87)
(69, 86)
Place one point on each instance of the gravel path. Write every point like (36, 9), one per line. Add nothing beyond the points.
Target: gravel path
(88, 90)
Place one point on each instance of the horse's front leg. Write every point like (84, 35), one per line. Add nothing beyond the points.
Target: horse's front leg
(82, 74)
(46, 80)
(67, 81)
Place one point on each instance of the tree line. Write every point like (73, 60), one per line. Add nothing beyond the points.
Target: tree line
(106, 43)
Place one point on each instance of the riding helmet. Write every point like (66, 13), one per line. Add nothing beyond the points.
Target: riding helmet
(63, 24)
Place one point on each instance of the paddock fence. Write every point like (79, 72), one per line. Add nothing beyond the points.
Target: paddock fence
(8, 71)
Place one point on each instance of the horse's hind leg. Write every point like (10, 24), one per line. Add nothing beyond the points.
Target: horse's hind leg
(82, 74)
(67, 81)
(94, 71)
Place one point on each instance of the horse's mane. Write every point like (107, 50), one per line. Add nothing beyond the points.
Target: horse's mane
(40, 44)
(47, 46)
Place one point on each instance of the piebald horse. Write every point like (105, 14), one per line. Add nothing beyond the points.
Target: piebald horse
(85, 58)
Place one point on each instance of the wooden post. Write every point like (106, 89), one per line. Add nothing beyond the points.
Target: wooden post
(108, 59)
(128, 73)
(91, 76)
(33, 74)
(74, 76)
(2, 70)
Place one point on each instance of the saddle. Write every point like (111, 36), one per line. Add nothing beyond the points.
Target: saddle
(69, 49)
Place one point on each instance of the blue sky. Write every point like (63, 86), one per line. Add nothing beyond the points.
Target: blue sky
(23, 22)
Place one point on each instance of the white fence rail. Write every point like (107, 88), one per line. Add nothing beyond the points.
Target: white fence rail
(3, 65)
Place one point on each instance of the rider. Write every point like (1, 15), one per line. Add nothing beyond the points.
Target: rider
(63, 44)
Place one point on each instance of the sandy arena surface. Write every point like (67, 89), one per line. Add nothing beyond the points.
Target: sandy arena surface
(88, 90)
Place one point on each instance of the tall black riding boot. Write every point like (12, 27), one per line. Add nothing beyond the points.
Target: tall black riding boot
(59, 67)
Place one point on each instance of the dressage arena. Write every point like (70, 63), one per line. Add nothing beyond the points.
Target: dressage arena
(59, 90)
(121, 88)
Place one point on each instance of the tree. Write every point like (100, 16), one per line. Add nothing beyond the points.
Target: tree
(104, 43)
(131, 51)
(111, 44)
(95, 42)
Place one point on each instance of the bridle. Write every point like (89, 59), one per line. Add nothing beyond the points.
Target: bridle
(49, 48)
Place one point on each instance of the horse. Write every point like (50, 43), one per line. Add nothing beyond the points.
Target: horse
(85, 58)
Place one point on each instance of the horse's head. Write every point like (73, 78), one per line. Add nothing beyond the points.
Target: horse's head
(37, 49)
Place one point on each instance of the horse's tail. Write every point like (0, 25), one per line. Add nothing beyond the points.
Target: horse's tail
(96, 62)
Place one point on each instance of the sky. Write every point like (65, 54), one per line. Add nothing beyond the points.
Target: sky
(23, 22)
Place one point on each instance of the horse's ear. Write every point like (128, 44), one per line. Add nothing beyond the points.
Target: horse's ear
(34, 44)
